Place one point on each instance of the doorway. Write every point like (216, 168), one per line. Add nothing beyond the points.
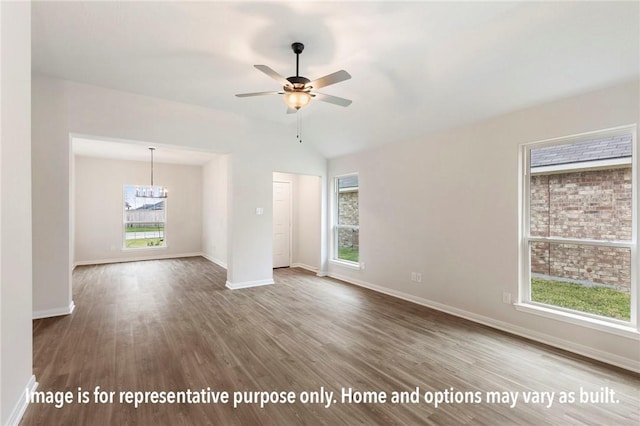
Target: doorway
(297, 221)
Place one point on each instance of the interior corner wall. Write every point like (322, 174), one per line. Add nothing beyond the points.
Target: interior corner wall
(251, 176)
(446, 205)
(307, 216)
(15, 210)
(50, 177)
(99, 201)
(214, 209)
(61, 109)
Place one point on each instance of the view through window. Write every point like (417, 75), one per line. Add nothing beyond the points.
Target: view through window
(346, 224)
(579, 232)
(144, 220)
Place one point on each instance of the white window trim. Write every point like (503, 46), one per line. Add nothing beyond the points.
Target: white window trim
(335, 226)
(524, 304)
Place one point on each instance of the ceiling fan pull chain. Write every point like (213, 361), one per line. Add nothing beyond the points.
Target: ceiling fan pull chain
(299, 126)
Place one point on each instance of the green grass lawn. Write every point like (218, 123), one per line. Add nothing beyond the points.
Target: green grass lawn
(144, 229)
(348, 253)
(144, 242)
(595, 300)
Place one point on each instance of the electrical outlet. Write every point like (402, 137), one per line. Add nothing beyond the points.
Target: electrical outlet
(413, 277)
(506, 297)
(362, 266)
(419, 277)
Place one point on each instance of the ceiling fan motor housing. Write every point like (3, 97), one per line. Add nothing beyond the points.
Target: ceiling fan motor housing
(298, 82)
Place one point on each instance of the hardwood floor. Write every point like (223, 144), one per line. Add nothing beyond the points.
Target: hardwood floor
(171, 325)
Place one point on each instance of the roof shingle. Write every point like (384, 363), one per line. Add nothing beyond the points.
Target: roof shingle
(593, 150)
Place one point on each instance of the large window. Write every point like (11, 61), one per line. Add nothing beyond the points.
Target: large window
(144, 220)
(346, 231)
(579, 226)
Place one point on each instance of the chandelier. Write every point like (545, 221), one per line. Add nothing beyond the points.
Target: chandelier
(151, 191)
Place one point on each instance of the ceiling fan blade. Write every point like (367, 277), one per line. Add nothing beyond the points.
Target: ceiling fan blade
(274, 75)
(331, 99)
(291, 110)
(246, 95)
(333, 78)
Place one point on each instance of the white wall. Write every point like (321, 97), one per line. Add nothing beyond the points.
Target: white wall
(305, 220)
(307, 216)
(62, 108)
(214, 209)
(15, 209)
(99, 202)
(447, 205)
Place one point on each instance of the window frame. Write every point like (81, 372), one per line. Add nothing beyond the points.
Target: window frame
(336, 227)
(524, 302)
(124, 223)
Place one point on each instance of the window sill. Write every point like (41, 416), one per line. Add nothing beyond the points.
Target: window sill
(627, 331)
(346, 264)
(144, 248)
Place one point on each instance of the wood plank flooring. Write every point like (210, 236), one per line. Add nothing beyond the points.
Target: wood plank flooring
(171, 325)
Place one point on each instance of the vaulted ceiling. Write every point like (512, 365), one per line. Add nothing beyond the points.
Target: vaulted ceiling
(417, 67)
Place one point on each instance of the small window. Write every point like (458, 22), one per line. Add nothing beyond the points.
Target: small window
(578, 225)
(144, 220)
(346, 235)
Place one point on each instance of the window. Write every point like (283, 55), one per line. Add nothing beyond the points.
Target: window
(346, 241)
(144, 220)
(579, 226)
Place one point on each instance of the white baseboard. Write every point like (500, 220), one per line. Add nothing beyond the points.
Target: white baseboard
(136, 258)
(322, 274)
(55, 312)
(218, 262)
(247, 284)
(23, 402)
(304, 266)
(606, 357)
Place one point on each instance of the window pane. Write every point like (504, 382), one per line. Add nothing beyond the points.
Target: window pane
(348, 244)
(586, 204)
(585, 278)
(144, 234)
(144, 220)
(348, 200)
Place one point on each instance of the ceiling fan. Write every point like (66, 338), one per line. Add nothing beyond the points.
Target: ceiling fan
(298, 90)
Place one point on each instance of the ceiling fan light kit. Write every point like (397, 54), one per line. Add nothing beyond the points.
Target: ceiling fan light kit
(298, 91)
(297, 100)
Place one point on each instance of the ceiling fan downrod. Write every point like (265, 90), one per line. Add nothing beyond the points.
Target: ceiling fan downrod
(297, 48)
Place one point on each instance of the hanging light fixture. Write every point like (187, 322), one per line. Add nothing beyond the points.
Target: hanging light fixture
(151, 191)
(296, 99)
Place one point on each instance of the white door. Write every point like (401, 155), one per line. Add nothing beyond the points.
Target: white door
(281, 224)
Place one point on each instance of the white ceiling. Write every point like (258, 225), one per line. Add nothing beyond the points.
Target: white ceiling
(417, 67)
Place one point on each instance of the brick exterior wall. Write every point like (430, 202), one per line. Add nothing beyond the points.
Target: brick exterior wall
(348, 215)
(589, 204)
